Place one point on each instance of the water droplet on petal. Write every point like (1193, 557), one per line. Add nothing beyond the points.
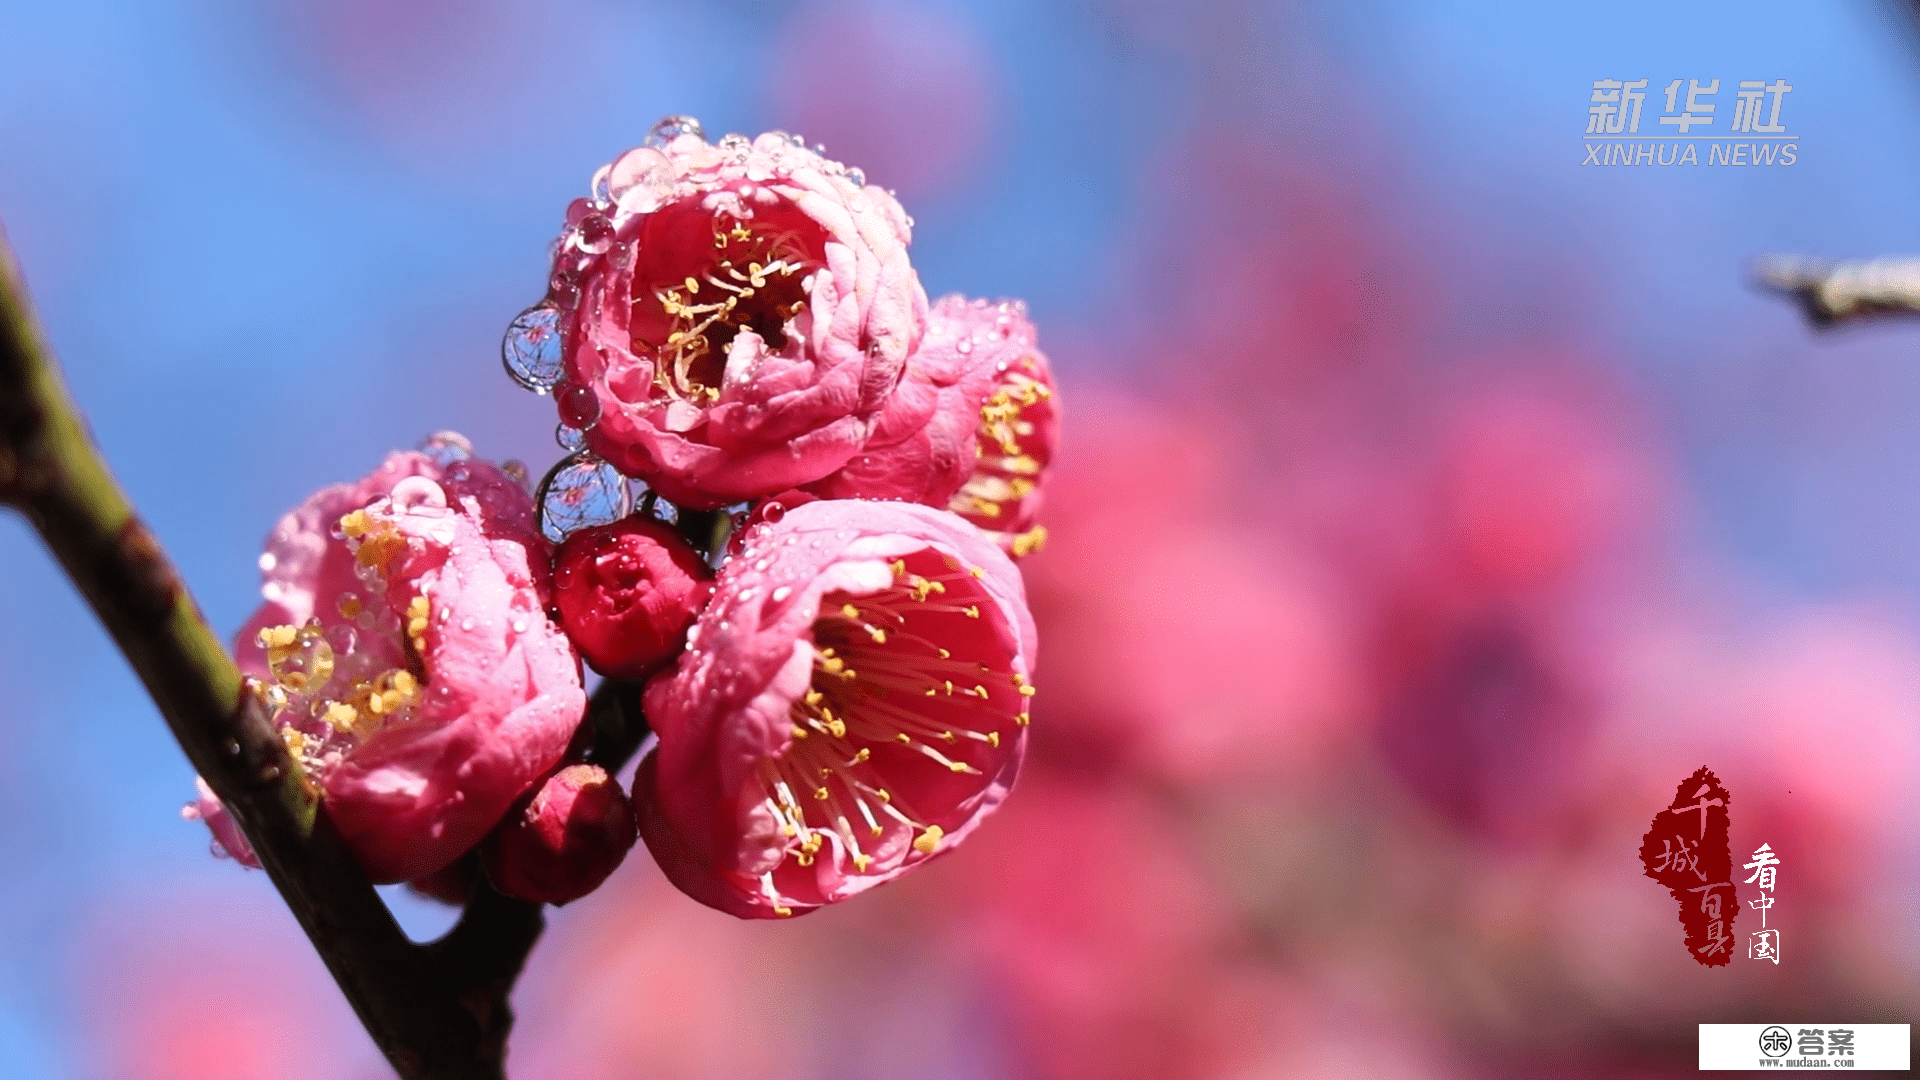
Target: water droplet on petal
(579, 405)
(342, 638)
(735, 143)
(581, 491)
(268, 561)
(857, 175)
(446, 447)
(531, 349)
(569, 438)
(562, 293)
(416, 492)
(639, 179)
(516, 471)
(596, 234)
(672, 127)
(601, 197)
(782, 593)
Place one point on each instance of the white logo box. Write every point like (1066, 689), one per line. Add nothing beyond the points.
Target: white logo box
(1740, 1046)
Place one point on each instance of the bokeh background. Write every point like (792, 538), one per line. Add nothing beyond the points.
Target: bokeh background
(1430, 507)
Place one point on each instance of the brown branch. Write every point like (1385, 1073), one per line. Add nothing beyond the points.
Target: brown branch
(1833, 293)
(438, 1012)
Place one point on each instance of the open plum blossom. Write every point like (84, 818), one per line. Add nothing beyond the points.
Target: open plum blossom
(408, 658)
(1019, 428)
(853, 702)
(740, 314)
(972, 427)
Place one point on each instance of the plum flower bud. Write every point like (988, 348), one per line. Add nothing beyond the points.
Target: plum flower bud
(627, 593)
(564, 839)
(852, 703)
(924, 445)
(744, 310)
(408, 659)
(1018, 433)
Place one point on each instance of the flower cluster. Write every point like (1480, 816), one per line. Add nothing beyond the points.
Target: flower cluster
(814, 597)
(406, 652)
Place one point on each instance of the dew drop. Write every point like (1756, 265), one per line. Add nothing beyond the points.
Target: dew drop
(639, 180)
(519, 626)
(782, 593)
(569, 438)
(516, 471)
(531, 349)
(466, 624)
(562, 293)
(342, 638)
(602, 198)
(596, 234)
(857, 175)
(579, 405)
(672, 127)
(963, 346)
(580, 492)
(268, 560)
(446, 447)
(416, 492)
(734, 143)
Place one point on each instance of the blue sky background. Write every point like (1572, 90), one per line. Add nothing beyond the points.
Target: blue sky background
(260, 279)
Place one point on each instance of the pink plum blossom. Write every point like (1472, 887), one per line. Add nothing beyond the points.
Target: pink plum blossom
(627, 593)
(923, 447)
(740, 314)
(407, 654)
(570, 834)
(1018, 433)
(852, 703)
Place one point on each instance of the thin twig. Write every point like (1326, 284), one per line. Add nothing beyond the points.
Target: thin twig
(438, 1012)
(1833, 293)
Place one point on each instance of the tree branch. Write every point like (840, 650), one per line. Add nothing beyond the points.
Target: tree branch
(438, 1012)
(1834, 293)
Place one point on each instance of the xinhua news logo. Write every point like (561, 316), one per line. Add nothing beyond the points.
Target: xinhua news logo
(1753, 132)
(1767, 1047)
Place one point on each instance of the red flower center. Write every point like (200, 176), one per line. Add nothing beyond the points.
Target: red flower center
(912, 694)
(705, 276)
